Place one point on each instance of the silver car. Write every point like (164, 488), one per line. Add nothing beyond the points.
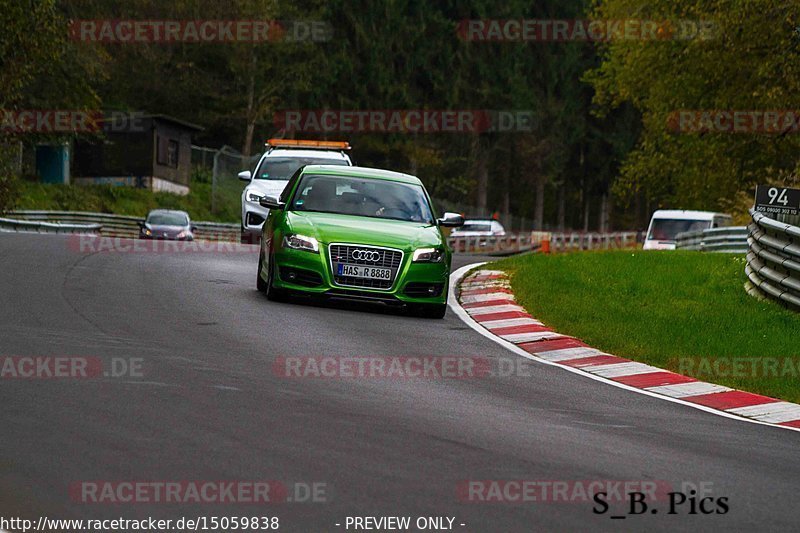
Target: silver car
(167, 224)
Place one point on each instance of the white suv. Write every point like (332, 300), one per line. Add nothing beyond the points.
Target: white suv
(282, 159)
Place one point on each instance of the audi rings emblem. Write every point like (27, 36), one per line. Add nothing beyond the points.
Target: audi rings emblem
(365, 255)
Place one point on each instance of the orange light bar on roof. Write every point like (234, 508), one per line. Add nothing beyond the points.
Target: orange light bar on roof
(296, 143)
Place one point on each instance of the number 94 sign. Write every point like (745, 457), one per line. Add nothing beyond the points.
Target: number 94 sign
(772, 200)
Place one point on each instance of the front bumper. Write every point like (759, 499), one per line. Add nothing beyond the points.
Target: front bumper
(311, 273)
(253, 217)
(162, 238)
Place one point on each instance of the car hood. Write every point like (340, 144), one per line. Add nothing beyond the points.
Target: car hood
(659, 245)
(328, 228)
(267, 187)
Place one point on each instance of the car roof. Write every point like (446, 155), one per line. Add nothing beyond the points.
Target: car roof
(167, 211)
(684, 214)
(362, 172)
(294, 152)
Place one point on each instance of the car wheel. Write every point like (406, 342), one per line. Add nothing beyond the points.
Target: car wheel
(274, 294)
(431, 310)
(261, 285)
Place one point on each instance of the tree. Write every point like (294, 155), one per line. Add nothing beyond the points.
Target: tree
(750, 61)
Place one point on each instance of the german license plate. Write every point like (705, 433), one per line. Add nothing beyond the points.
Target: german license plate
(367, 272)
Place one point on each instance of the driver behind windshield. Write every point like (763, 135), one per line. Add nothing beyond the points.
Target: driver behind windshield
(358, 197)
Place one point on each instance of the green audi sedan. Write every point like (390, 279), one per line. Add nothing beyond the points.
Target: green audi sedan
(356, 233)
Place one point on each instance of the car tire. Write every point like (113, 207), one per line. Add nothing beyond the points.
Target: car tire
(273, 294)
(431, 310)
(261, 285)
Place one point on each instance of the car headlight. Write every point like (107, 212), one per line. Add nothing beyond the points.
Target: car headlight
(147, 232)
(183, 234)
(301, 242)
(253, 197)
(428, 255)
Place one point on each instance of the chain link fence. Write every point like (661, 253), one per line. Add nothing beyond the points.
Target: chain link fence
(10, 168)
(218, 169)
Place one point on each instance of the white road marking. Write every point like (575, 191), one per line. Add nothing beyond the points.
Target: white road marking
(693, 388)
(475, 298)
(566, 354)
(616, 370)
(530, 337)
(510, 323)
(490, 273)
(775, 412)
(489, 309)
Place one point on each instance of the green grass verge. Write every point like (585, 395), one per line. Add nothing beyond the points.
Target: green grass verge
(130, 201)
(684, 311)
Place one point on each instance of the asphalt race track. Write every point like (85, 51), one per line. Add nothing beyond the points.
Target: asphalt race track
(210, 407)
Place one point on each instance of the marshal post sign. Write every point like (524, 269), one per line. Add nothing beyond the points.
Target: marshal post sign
(772, 200)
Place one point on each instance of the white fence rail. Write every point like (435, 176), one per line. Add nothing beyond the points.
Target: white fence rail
(528, 241)
(564, 242)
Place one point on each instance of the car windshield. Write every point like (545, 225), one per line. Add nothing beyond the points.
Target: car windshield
(475, 226)
(350, 195)
(167, 219)
(666, 229)
(282, 168)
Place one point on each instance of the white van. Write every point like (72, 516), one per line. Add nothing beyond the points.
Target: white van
(667, 223)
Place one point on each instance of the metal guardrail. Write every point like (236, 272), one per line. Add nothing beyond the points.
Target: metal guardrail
(7, 224)
(773, 260)
(557, 242)
(121, 225)
(732, 239)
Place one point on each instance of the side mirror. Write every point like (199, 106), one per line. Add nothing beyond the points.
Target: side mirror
(451, 220)
(245, 175)
(271, 202)
(140, 224)
(193, 228)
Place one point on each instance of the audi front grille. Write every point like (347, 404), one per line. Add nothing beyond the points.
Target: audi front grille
(383, 258)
